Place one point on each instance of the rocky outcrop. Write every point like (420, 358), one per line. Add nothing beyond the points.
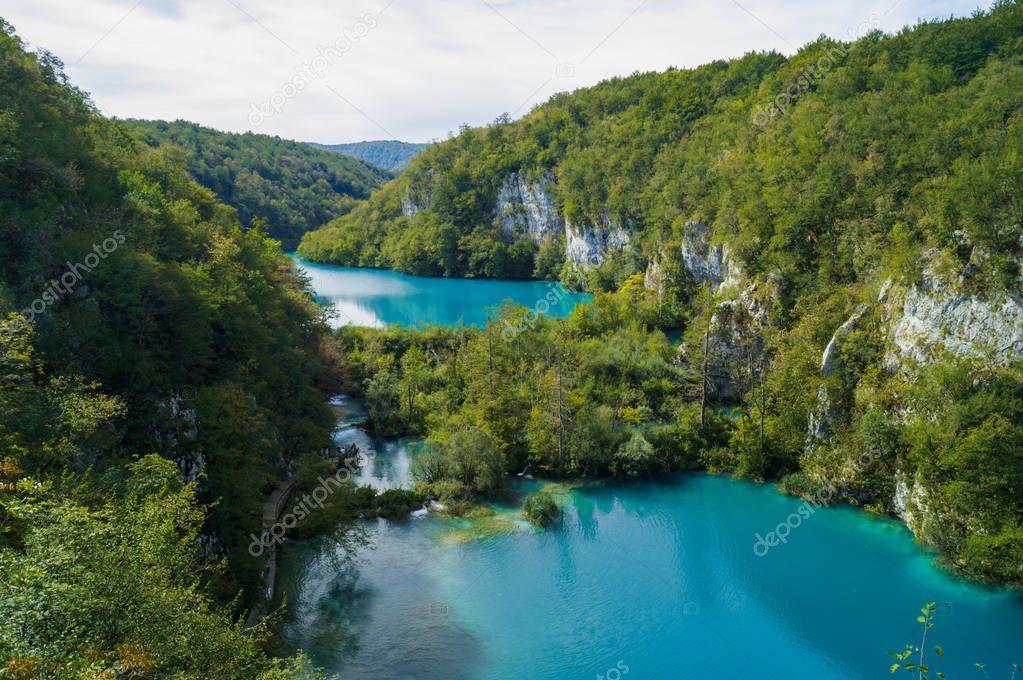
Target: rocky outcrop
(736, 343)
(909, 501)
(653, 277)
(830, 356)
(191, 463)
(707, 263)
(412, 203)
(526, 207)
(589, 246)
(192, 466)
(819, 424)
(938, 316)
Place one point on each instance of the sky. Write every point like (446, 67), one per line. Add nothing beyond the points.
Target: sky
(336, 71)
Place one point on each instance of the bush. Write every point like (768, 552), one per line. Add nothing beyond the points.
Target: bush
(797, 484)
(996, 558)
(635, 457)
(397, 503)
(466, 465)
(540, 509)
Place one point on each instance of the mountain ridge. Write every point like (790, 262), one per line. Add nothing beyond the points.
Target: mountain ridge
(390, 154)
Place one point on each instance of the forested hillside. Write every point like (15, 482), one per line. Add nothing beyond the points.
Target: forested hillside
(293, 187)
(838, 234)
(391, 155)
(160, 367)
(843, 158)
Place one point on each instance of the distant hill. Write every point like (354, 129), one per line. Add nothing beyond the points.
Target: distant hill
(294, 187)
(390, 154)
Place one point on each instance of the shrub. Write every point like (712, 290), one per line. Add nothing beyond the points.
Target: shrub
(635, 457)
(797, 484)
(540, 509)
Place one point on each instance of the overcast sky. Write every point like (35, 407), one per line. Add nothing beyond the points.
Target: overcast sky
(345, 70)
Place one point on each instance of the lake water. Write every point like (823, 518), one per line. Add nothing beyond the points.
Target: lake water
(646, 580)
(377, 297)
(642, 580)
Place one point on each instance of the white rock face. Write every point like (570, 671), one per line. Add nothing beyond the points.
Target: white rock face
(411, 203)
(707, 263)
(653, 278)
(819, 423)
(818, 426)
(830, 355)
(735, 334)
(936, 317)
(589, 246)
(192, 465)
(909, 501)
(525, 207)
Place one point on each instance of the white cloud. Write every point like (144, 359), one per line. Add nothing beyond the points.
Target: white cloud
(422, 70)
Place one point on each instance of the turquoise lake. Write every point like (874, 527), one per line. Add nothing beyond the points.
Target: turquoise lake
(639, 580)
(659, 578)
(377, 297)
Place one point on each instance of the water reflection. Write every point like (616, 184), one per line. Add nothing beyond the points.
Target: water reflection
(382, 616)
(376, 297)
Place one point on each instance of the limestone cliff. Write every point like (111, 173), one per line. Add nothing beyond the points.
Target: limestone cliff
(707, 262)
(527, 207)
(588, 245)
(940, 315)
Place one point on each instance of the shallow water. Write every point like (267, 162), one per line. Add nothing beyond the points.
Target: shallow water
(385, 463)
(658, 578)
(378, 297)
(637, 580)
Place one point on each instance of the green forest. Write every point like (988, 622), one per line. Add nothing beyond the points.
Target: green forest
(291, 186)
(391, 155)
(139, 318)
(867, 165)
(901, 161)
(165, 369)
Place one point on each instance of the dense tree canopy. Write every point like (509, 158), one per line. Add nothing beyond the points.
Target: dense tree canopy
(137, 316)
(897, 141)
(294, 187)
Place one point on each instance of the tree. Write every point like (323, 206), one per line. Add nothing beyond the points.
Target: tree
(701, 350)
(635, 457)
(112, 589)
(415, 371)
(383, 402)
(473, 459)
